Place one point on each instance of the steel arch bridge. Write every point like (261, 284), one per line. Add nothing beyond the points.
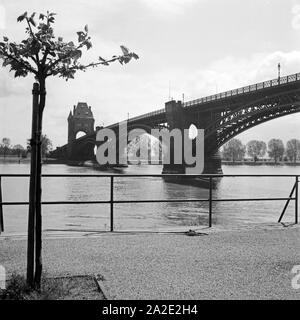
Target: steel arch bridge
(222, 116)
(247, 116)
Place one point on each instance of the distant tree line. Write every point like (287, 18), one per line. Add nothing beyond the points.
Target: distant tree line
(8, 149)
(235, 150)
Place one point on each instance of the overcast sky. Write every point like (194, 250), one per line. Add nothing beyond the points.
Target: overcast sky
(198, 46)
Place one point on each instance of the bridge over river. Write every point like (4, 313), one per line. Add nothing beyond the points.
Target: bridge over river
(222, 116)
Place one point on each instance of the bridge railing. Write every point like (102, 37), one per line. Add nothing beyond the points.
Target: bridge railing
(222, 95)
(246, 89)
(147, 115)
(293, 196)
(141, 117)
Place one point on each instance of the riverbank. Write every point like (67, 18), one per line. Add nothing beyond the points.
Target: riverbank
(259, 163)
(10, 159)
(232, 264)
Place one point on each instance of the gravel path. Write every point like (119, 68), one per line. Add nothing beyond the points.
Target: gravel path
(246, 264)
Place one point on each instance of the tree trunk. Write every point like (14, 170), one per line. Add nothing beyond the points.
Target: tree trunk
(38, 248)
(32, 188)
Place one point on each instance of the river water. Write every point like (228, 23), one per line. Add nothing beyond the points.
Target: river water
(67, 219)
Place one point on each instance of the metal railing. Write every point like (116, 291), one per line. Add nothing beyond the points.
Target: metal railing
(250, 88)
(1, 210)
(209, 179)
(141, 117)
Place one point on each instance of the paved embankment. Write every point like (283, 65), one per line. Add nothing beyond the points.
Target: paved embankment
(246, 264)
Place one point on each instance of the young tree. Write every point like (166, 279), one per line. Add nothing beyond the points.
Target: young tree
(276, 149)
(256, 149)
(234, 150)
(5, 145)
(293, 149)
(43, 55)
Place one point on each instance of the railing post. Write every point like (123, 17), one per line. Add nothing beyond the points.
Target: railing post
(296, 201)
(111, 203)
(1, 209)
(210, 203)
(287, 203)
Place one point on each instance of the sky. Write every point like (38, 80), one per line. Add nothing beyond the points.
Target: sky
(190, 47)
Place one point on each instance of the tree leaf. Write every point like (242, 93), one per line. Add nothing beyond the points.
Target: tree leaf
(86, 28)
(32, 22)
(124, 50)
(81, 36)
(88, 45)
(76, 54)
(6, 62)
(135, 56)
(21, 73)
(22, 17)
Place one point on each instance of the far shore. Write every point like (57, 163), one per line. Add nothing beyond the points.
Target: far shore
(260, 163)
(12, 159)
(15, 159)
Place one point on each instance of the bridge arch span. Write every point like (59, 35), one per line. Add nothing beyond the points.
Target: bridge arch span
(254, 121)
(248, 116)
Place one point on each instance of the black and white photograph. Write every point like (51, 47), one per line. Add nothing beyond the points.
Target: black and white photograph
(149, 151)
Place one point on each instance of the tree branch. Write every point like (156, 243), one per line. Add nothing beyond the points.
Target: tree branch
(93, 64)
(28, 68)
(30, 29)
(34, 37)
(53, 64)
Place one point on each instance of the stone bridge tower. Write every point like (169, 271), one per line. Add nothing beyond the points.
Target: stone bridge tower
(81, 119)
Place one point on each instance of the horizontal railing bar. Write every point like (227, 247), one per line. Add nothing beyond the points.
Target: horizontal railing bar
(11, 175)
(57, 202)
(254, 199)
(145, 201)
(160, 201)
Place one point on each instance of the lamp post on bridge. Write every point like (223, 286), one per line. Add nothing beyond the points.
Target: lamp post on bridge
(279, 66)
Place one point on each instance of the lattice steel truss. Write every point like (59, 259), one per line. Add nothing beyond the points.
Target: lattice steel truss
(244, 117)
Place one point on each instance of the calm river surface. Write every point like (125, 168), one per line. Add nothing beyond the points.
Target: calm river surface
(145, 216)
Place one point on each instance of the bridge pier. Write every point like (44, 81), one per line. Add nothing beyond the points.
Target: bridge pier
(178, 118)
(81, 153)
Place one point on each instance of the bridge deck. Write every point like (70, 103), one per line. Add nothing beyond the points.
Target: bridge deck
(227, 94)
(261, 87)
